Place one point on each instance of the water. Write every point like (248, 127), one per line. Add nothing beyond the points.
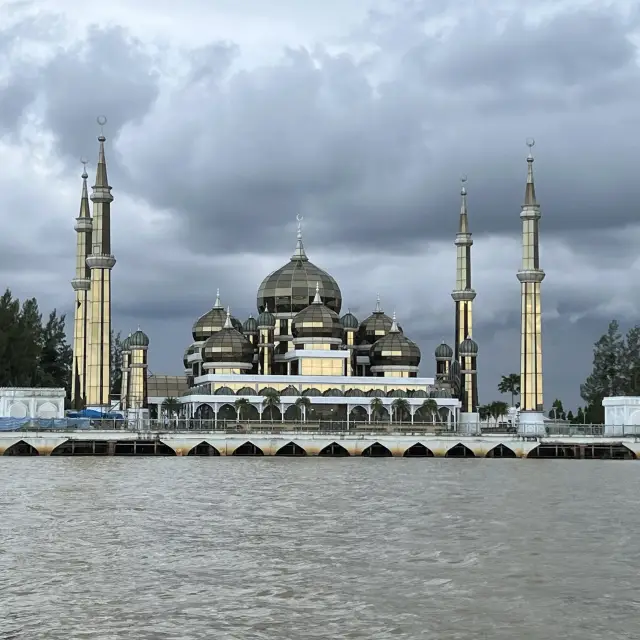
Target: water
(266, 548)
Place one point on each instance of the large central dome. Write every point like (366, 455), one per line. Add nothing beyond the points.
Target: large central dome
(292, 287)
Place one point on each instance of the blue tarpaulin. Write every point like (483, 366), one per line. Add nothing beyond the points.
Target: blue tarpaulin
(92, 413)
(42, 424)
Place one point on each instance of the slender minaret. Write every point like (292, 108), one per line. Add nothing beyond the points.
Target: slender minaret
(81, 285)
(100, 262)
(463, 294)
(530, 276)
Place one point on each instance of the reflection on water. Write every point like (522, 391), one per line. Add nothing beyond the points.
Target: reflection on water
(242, 548)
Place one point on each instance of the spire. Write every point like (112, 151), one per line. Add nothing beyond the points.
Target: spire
(530, 190)
(317, 299)
(101, 188)
(85, 211)
(227, 322)
(217, 304)
(464, 220)
(299, 253)
(378, 308)
(394, 325)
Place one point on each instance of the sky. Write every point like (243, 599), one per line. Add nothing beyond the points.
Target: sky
(228, 118)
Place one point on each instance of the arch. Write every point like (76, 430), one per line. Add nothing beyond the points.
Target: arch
(293, 412)
(397, 393)
(47, 410)
(227, 412)
(203, 449)
(311, 392)
(608, 452)
(224, 391)
(354, 393)
(21, 448)
(142, 448)
(375, 393)
(418, 450)
(204, 412)
(246, 391)
(459, 451)
(272, 413)
(265, 391)
(291, 449)
(289, 391)
(248, 449)
(376, 450)
(18, 410)
(552, 451)
(334, 449)
(382, 415)
(333, 393)
(501, 451)
(82, 448)
(249, 413)
(358, 414)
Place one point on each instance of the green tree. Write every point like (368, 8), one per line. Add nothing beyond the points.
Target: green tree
(557, 410)
(271, 401)
(570, 417)
(116, 363)
(498, 409)
(510, 384)
(241, 404)
(401, 409)
(9, 318)
(56, 355)
(428, 409)
(484, 411)
(377, 408)
(304, 405)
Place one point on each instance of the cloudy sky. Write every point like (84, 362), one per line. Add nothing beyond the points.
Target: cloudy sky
(229, 117)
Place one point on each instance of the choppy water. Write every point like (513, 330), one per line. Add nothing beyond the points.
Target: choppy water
(240, 548)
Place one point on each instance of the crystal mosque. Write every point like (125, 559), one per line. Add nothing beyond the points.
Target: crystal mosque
(300, 357)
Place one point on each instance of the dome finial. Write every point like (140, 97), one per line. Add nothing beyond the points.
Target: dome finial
(317, 299)
(85, 211)
(299, 253)
(530, 190)
(217, 304)
(394, 324)
(227, 322)
(378, 308)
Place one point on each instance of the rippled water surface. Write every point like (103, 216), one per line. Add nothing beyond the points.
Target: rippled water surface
(256, 548)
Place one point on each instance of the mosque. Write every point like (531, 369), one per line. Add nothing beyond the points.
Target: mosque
(298, 358)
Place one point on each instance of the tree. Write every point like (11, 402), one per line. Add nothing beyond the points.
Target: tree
(304, 404)
(116, 363)
(241, 404)
(400, 408)
(271, 401)
(557, 410)
(377, 408)
(570, 416)
(498, 409)
(429, 408)
(484, 411)
(171, 406)
(510, 384)
(56, 355)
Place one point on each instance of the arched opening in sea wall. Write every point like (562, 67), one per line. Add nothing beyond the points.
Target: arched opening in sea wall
(82, 448)
(334, 449)
(203, 449)
(248, 449)
(459, 451)
(501, 451)
(418, 450)
(21, 448)
(376, 450)
(291, 449)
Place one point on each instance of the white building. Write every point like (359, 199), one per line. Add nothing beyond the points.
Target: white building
(27, 402)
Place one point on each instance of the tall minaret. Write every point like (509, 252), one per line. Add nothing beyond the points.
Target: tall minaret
(81, 285)
(531, 416)
(100, 262)
(463, 294)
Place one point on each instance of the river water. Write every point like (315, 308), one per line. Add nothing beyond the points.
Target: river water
(273, 548)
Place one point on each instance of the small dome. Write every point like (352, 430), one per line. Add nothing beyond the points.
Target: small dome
(317, 321)
(228, 345)
(441, 393)
(126, 343)
(212, 321)
(395, 349)
(468, 347)
(377, 325)
(190, 350)
(349, 321)
(266, 319)
(138, 339)
(291, 288)
(444, 351)
(250, 325)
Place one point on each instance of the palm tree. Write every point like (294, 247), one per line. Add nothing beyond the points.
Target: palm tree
(377, 407)
(510, 384)
(498, 409)
(171, 406)
(241, 404)
(484, 411)
(429, 408)
(271, 400)
(400, 407)
(303, 403)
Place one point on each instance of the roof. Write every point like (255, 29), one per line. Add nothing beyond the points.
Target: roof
(166, 386)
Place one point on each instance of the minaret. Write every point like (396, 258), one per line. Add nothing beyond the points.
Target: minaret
(126, 371)
(463, 294)
(100, 262)
(137, 400)
(81, 285)
(531, 418)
